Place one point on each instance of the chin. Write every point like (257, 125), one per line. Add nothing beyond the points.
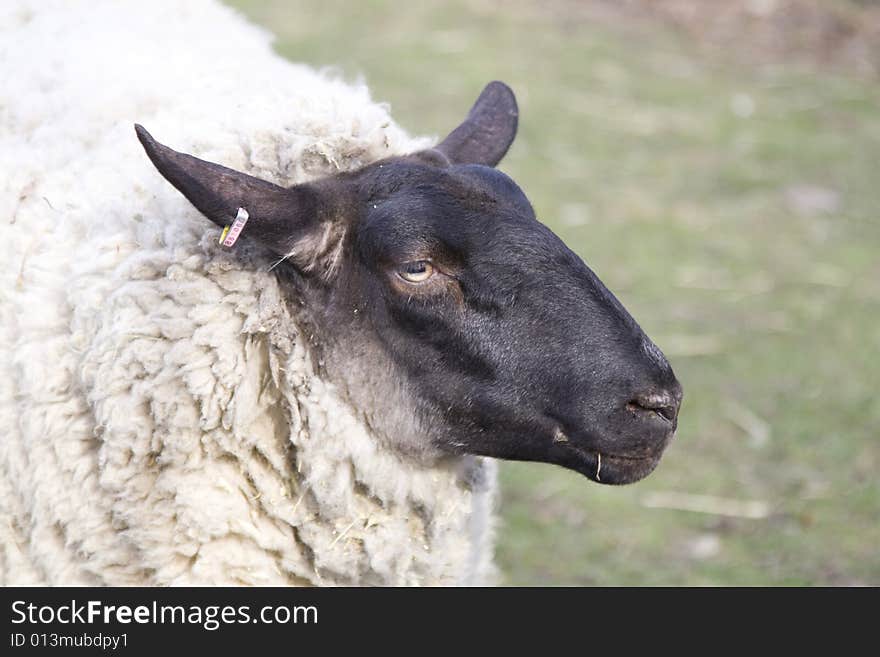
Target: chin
(604, 468)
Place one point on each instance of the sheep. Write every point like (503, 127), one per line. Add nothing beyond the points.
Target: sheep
(319, 402)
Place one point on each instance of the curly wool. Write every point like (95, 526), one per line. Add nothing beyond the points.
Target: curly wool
(162, 422)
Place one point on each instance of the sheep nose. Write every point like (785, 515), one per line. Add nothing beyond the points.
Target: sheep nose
(660, 404)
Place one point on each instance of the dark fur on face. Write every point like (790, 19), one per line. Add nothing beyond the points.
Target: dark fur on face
(448, 312)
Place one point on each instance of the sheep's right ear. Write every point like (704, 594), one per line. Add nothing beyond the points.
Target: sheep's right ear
(488, 130)
(293, 222)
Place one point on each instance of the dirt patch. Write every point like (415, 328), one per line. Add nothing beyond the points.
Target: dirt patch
(841, 35)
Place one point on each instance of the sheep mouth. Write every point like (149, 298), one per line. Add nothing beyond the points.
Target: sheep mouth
(608, 468)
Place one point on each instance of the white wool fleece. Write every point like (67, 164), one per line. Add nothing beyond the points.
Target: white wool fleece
(161, 422)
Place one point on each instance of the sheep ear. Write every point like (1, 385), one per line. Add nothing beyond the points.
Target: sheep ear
(488, 130)
(281, 218)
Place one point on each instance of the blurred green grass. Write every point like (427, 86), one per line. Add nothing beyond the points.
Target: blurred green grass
(733, 208)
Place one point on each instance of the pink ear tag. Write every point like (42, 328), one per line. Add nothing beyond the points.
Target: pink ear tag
(230, 234)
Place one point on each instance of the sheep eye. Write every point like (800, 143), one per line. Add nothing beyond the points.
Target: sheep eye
(416, 272)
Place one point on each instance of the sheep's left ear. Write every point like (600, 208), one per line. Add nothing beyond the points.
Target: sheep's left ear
(488, 130)
(297, 221)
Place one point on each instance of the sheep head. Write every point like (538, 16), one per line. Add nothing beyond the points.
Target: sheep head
(455, 321)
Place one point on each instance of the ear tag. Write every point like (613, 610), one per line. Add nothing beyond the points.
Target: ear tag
(230, 234)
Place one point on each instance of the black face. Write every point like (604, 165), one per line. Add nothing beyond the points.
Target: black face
(505, 343)
(512, 345)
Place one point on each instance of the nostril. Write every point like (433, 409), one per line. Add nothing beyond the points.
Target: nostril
(664, 405)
